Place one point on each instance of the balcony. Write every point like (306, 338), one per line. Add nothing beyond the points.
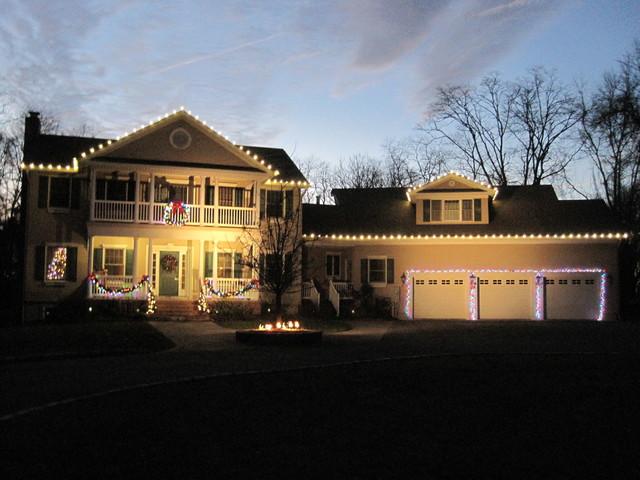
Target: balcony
(206, 215)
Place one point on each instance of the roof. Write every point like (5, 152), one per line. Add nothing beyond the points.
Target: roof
(62, 148)
(516, 210)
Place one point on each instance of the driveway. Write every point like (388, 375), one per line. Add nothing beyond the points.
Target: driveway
(445, 399)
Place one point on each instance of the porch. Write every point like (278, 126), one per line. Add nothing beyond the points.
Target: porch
(124, 268)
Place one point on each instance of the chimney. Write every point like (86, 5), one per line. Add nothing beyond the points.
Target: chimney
(31, 129)
(317, 199)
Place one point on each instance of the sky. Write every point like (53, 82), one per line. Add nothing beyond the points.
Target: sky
(319, 78)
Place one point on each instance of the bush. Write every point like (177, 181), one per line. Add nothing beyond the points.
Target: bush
(230, 311)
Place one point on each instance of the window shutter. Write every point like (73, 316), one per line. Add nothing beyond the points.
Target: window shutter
(426, 210)
(75, 193)
(263, 203)
(288, 203)
(38, 269)
(364, 271)
(477, 210)
(390, 273)
(208, 264)
(43, 191)
(71, 273)
(237, 265)
(128, 263)
(97, 259)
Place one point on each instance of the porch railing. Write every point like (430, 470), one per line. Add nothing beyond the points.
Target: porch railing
(113, 283)
(209, 215)
(310, 292)
(231, 285)
(339, 291)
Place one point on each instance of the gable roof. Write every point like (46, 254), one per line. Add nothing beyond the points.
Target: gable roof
(62, 151)
(517, 210)
(451, 181)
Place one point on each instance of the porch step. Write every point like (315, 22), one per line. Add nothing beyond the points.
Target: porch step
(179, 310)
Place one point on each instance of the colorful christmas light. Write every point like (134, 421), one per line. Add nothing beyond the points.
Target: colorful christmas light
(539, 286)
(57, 268)
(177, 213)
(101, 289)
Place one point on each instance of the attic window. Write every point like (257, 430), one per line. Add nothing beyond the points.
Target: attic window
(180, 139)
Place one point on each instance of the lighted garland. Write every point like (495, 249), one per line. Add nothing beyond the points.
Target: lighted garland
(101, 289)
(176, 213)
(210, 290)
(539, 287)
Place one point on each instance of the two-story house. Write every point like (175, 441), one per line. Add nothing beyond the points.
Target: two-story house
(163, 207)
(455, 248)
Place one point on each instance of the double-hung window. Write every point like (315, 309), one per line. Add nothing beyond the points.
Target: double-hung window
(465, 210)
(333, 265)
(451, 210)
(114, 261)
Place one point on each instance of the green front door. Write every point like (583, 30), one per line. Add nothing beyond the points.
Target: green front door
(169, 273)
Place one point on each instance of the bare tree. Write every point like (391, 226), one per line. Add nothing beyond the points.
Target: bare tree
(412, 160)
(359, 171)
(274, 250)
(320, 175)
(477, 123)
(545, 112)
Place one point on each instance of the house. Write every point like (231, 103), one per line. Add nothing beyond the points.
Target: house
(456, 248)
(159, 212)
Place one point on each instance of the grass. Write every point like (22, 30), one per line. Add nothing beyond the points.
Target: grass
(311, 323)
(80, 339)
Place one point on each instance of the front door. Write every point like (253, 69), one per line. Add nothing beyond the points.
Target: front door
(169, 273)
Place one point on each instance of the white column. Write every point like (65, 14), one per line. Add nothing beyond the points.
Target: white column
(256, 203)
(216, 202)
(201, 207)
(150, 261)
(92, 193)
(90, 263)
(152, 188)
(136, 208)
(136, 253)
(215, 262)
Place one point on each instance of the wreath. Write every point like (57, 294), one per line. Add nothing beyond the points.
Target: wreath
(169, 263)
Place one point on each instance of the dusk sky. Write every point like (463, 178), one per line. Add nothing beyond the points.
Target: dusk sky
(323, 78)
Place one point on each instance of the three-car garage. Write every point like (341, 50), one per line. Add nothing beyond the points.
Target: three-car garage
(502, 295)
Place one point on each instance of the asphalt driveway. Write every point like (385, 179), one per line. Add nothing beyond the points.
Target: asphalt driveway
(386, 399)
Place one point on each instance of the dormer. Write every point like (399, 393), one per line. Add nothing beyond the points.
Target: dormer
(451, 199)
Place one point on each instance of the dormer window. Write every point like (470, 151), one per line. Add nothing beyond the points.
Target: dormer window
(459, 210)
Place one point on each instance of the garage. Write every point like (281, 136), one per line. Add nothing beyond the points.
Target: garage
(572, 296)
(441, 296)
(506, 296)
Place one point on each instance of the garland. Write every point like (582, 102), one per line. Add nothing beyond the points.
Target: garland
(115, 292)
(207, 290)
(176, 213)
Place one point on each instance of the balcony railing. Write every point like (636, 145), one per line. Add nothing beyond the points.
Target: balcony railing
(121, 211)
(113, 284)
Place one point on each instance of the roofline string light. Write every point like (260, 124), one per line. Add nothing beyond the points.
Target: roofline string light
(413, 188)
(93, 150)
(473, 313)
(72, 168)
(448, 236)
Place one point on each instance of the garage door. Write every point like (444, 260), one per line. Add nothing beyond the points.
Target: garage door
(506, 296)
(441, 296)
(572, 296)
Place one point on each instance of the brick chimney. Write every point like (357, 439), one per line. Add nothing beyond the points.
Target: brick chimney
(31, 129)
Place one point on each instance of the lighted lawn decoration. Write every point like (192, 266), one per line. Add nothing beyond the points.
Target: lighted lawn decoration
(279, 333)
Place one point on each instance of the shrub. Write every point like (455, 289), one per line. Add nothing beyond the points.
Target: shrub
(230, 311)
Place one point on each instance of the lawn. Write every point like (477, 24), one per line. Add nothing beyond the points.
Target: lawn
(311, 323)
(79, 339)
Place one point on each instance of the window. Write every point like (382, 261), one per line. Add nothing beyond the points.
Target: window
(377, 270)
(226, 196)
(589, 281)
(458, 282)
(451, 210)
(467, 210)
(274, 203)
(114, 261)
(225, 265)
(60, 192)
(333, 265)
(523, 282)
(56, 263)
(116, 190)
